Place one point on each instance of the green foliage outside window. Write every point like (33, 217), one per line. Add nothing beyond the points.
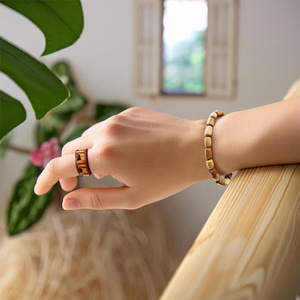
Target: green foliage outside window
(183, 66)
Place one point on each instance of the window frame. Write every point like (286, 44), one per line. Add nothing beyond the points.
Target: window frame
(155, 48)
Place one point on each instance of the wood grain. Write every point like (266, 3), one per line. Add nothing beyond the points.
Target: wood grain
(250, 245)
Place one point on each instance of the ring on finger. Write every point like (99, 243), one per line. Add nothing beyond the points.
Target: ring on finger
(82, 162)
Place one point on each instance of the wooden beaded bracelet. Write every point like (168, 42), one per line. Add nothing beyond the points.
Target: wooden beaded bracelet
(208, 149)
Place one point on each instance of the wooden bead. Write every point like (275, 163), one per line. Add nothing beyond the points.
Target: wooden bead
(213, 115)
(217, 178)
(207, 142)
(211, 121)
(208, 131)
(219, 113)
(228, 176)
(221, 182)
(227, 180)
(210, 164)
(208, 153)
(213, 173)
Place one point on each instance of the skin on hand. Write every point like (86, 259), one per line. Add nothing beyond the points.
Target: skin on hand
(153, 155)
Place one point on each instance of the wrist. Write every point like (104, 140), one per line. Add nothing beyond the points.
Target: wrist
(220, 148)
(208, 144)
(200, 171)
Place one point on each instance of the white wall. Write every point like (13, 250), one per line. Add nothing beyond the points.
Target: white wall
(268, 63)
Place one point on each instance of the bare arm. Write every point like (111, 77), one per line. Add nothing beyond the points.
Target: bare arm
(266, 135)
(156, 155)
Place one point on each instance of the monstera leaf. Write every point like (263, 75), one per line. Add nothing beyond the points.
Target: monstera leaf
(44, 90)
(61, 23)
(54, 122)
(10, 107)
(4, 144)
(25, 207)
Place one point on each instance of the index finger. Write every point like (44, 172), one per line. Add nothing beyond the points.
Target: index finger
(57, 168)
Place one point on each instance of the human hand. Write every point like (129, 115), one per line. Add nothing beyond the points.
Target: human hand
(153, 155)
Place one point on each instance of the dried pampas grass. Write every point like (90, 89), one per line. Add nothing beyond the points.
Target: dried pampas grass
(87, 255)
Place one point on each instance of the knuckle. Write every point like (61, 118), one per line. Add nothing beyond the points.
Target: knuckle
(106, 151)
(118, 118)
(91, 129)
(113, 127)
(85, 133)
(102, 159)
(135, 110)
(69, 147)
(115, 119)
(52, 166)
(95, 201)
(131, 111)
(65, 149)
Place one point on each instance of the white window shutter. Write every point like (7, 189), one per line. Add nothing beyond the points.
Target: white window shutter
(220, 68)
(146, 46)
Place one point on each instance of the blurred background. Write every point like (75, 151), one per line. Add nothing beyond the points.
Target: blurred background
(103, 60)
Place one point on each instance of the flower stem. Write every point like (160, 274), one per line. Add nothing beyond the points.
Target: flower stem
(19, 149)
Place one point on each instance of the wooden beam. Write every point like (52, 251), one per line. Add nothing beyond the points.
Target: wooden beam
(250, 245)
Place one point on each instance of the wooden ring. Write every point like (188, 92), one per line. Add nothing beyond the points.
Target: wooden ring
(82, 162)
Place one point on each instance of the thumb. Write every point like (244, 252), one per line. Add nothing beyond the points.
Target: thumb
(99, 198)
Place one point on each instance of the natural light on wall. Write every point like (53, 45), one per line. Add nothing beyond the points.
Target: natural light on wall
(184, 27)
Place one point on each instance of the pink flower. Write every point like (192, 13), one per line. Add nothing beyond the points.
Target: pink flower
(48, 150)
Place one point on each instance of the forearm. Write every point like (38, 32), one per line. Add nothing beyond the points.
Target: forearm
(267, 135)
(155, 155)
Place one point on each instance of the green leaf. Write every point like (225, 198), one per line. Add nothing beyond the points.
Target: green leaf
(76, 100)
(44, 90)
(25, 207)
(104, 111)
(47, 128)
(60, 21)
(12, 113)
(52, 124)
(76, 132)
(62, 70)
(4, 144)
(72, 105)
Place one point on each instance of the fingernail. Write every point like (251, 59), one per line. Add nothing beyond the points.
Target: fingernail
(71, 204)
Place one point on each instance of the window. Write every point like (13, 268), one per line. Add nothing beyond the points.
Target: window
(183, 49)
(201, 62)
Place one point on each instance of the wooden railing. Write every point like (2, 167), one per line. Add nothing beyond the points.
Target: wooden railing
(250, 245)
